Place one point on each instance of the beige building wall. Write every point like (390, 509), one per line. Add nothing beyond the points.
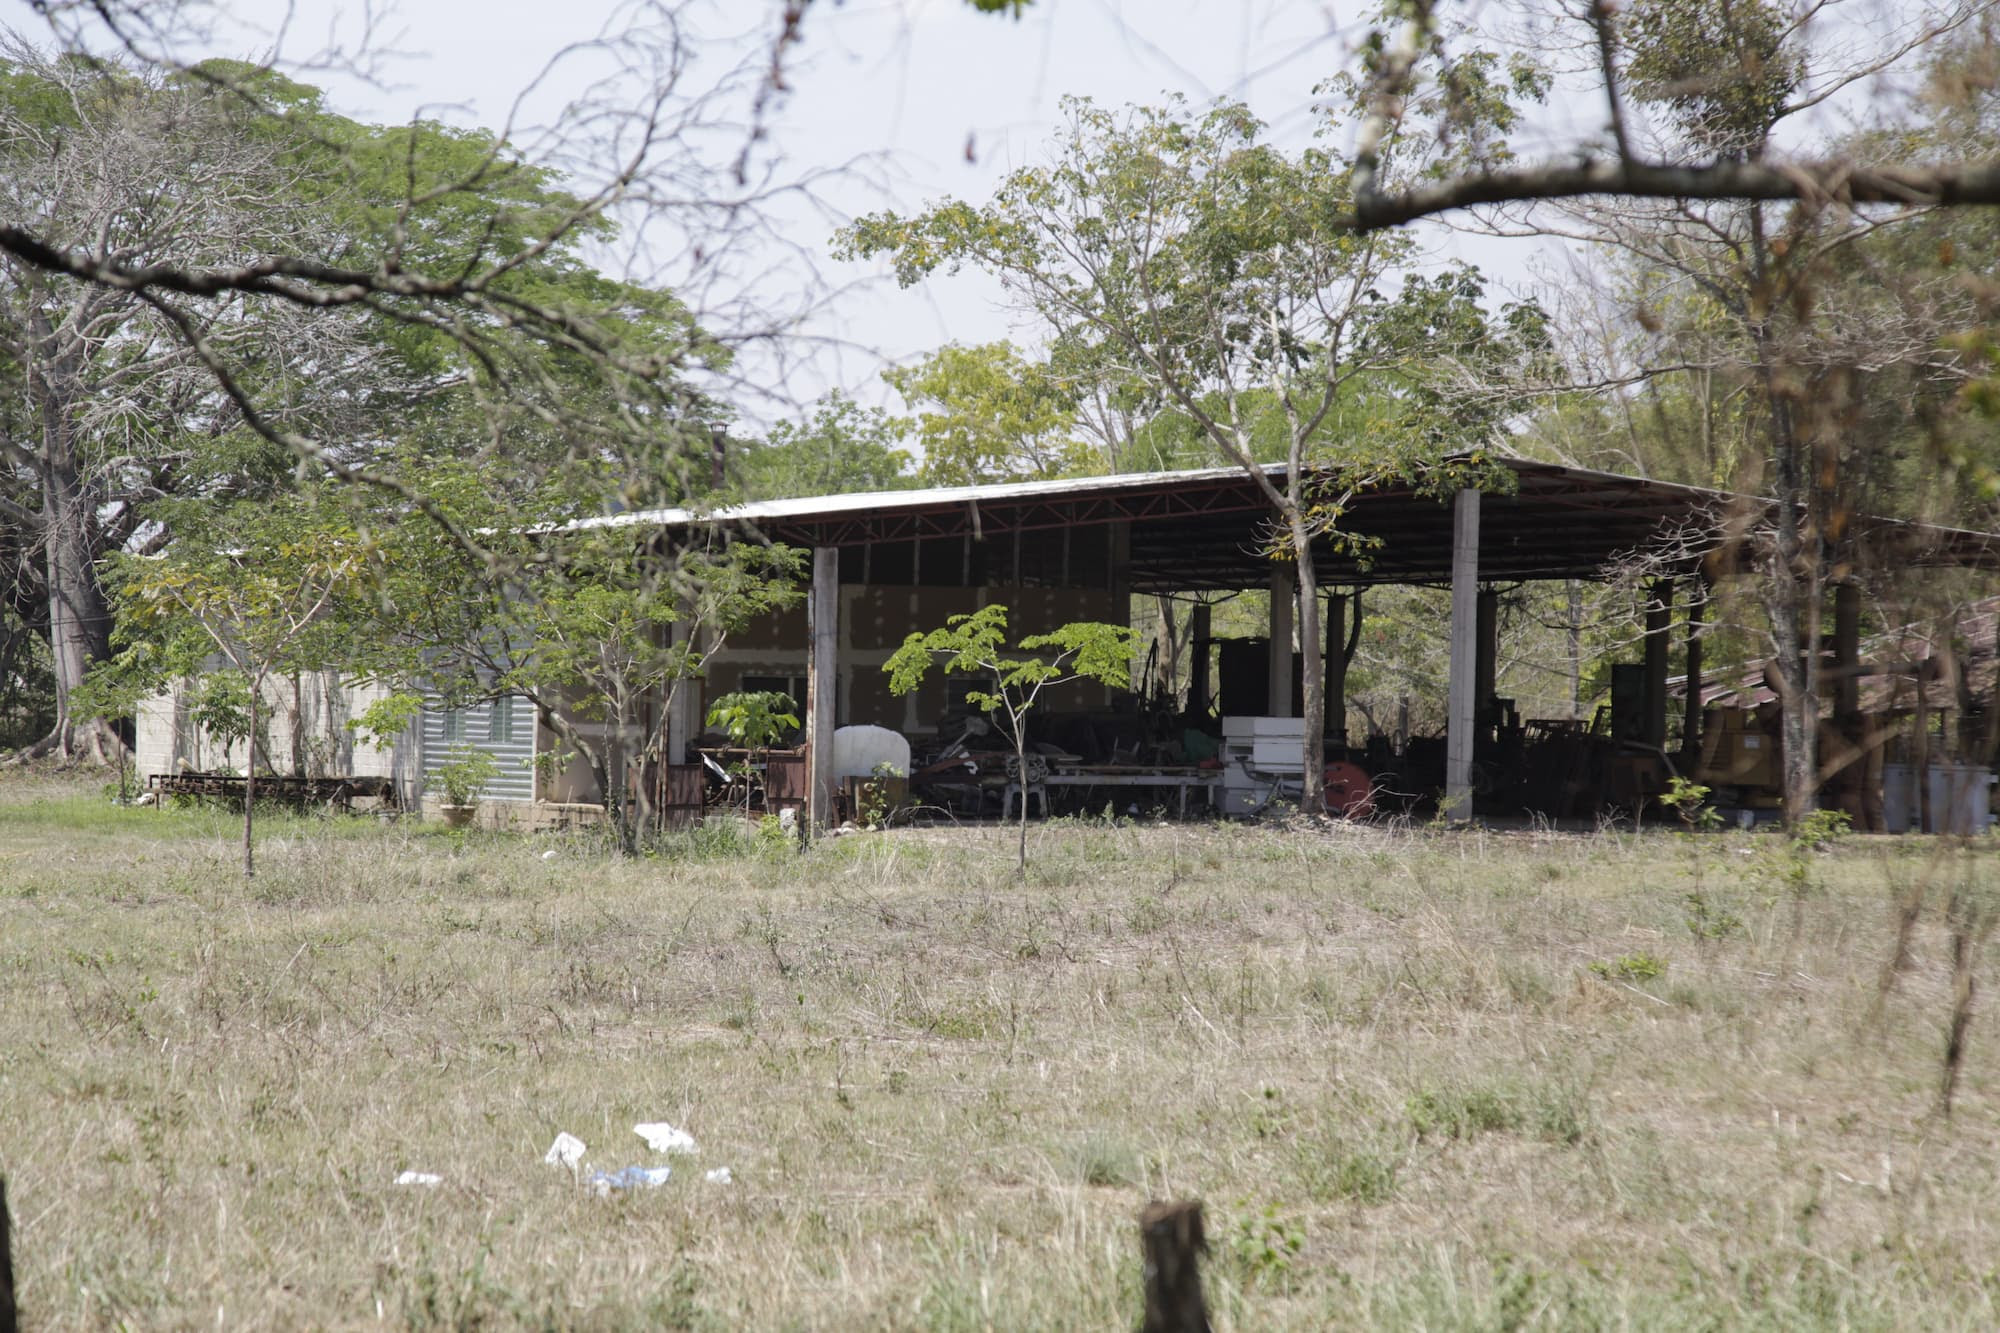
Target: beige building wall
(307, 732)
(875, 619)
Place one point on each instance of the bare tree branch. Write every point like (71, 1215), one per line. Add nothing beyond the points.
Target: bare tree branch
(1835, 180)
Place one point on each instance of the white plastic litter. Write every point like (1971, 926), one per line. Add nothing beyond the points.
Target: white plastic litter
(423, 1178)
(567, 1150)
(664, 1138)
(549, 855)
(719, 1176)
(602, 1183)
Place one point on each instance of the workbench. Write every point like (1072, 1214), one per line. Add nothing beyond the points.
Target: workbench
(327, 791)
(1182, 779)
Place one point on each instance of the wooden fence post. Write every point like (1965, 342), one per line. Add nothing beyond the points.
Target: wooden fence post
(9, 1319)
(1170, 1237)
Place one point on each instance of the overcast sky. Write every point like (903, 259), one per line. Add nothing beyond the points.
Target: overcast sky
(927, 96)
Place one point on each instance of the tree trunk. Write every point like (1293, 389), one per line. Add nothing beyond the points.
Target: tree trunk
(594, 758)
(1793, 572)
(614, 813)
(652, 764)
(1926, 817)
(1021, 773)
(1798, 697)
(79, 619)
(614, 790)
(1312, 677)
(250, 780)
(66, 526)
(1171, 644)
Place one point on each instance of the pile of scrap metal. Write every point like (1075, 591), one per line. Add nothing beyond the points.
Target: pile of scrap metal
(1133, 762)
(962, 769)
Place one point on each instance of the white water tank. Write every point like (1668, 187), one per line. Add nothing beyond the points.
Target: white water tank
(858, 751)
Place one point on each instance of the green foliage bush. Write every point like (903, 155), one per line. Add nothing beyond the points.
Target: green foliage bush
(1265, 1241)
(1641, 966)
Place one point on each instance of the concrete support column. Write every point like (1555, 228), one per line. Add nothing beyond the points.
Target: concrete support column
(680, 710)
(1284, 596)
(1464, 650)
(1659, 620)
(1697, 596)
(1198, 650)
(823, 628)
(1336, 667)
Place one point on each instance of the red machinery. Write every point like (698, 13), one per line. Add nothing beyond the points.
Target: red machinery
(1349, 790)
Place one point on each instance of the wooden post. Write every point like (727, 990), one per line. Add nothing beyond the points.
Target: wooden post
(1460, 707)
(1198, 648)
(9, 1317)
(1336, 667)
(1171, 1239)
(823, 622)
(1280, 702)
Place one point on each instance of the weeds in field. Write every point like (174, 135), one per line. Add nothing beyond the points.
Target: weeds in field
(1382, 1056)
(1707, 921)
(1364, 1173)
(1689, 802)
(1630, 967)
(1265, 1242)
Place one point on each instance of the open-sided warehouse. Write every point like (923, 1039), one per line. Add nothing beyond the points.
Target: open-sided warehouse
(1054, 551)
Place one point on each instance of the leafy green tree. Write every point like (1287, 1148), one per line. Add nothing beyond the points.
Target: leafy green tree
(843, 447)
(987, 413)
(597, 623)
(977, 644)
(27, 686)
(464, 774)
(114, 396)
(597, 641)
(1724, 72)
(754, 719)
(273, 590)
(105, 407)
(1800, 352)
(1205, 264)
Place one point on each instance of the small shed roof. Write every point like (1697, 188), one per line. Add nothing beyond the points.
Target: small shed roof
(1209, 528)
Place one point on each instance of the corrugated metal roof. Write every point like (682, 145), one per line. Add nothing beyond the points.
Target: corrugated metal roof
(927, 497)
(1209, 527)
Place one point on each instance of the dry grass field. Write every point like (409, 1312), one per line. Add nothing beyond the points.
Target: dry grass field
(1420, 1079)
